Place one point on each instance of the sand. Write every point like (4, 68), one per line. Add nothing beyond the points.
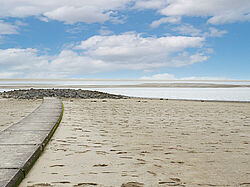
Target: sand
(13, 110)
(151, 142)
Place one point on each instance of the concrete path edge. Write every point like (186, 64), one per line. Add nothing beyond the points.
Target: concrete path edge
(17, 179)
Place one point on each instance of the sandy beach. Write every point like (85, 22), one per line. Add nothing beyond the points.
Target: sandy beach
(149, 142)
(13, 110)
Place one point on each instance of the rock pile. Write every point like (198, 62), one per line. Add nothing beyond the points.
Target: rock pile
(61, 93)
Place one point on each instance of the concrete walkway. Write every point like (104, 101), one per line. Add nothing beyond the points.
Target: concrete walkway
(22, 143)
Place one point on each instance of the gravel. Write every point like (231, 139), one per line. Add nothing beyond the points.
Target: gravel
(61, 93)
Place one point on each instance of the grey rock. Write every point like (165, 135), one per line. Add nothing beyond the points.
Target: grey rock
(61, 93)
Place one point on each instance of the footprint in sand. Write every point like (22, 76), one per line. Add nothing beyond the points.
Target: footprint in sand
(122, 152)
(40, 185)
(132, 184)
(101, 152)
(81, 152)
(62, 182)
(57, 165)
(153, 173)
(100, 165)
(85, 184)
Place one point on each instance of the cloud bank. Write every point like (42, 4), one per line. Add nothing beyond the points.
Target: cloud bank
(127, 51)
(109, 51)
(216, 11)
(63, 10)
(167, 76)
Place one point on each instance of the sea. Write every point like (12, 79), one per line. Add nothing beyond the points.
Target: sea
(218, 94)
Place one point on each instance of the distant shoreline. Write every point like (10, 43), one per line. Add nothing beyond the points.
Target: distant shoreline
(144, 85)
(139, 80)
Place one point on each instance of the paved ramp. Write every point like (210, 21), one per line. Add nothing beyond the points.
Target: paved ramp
(22, 143)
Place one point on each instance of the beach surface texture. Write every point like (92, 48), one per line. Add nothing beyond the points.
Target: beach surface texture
(146, 142)
(22, 143)
(13, 110)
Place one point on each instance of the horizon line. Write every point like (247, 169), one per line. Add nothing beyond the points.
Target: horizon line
(82, 79)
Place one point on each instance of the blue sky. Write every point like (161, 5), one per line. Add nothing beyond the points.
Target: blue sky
(137, 39)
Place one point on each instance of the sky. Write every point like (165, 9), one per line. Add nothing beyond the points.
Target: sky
(125, 39)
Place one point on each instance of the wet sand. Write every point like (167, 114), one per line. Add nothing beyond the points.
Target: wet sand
(152, 142)
(13, 110)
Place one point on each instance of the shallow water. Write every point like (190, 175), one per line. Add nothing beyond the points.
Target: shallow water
(225, 94)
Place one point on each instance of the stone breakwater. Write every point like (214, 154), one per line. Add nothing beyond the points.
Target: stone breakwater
(61, 93)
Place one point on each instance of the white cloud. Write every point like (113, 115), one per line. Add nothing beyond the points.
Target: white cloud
(166, 76)
(76, 29)
(29, 63)
(72, 14)
(128, 51)
(172, 19)
(63, 10)
(231, 17)
(213, 32)
(20, 23)
(184, 59)
(216, 11)
(7, 28)
(23, 60)
(7, 75)
(44, 19)
(188, 29)
(134, 49)
(150, 4)
(205, 78)
(220, 11)
(105, 31)
(163, 76)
